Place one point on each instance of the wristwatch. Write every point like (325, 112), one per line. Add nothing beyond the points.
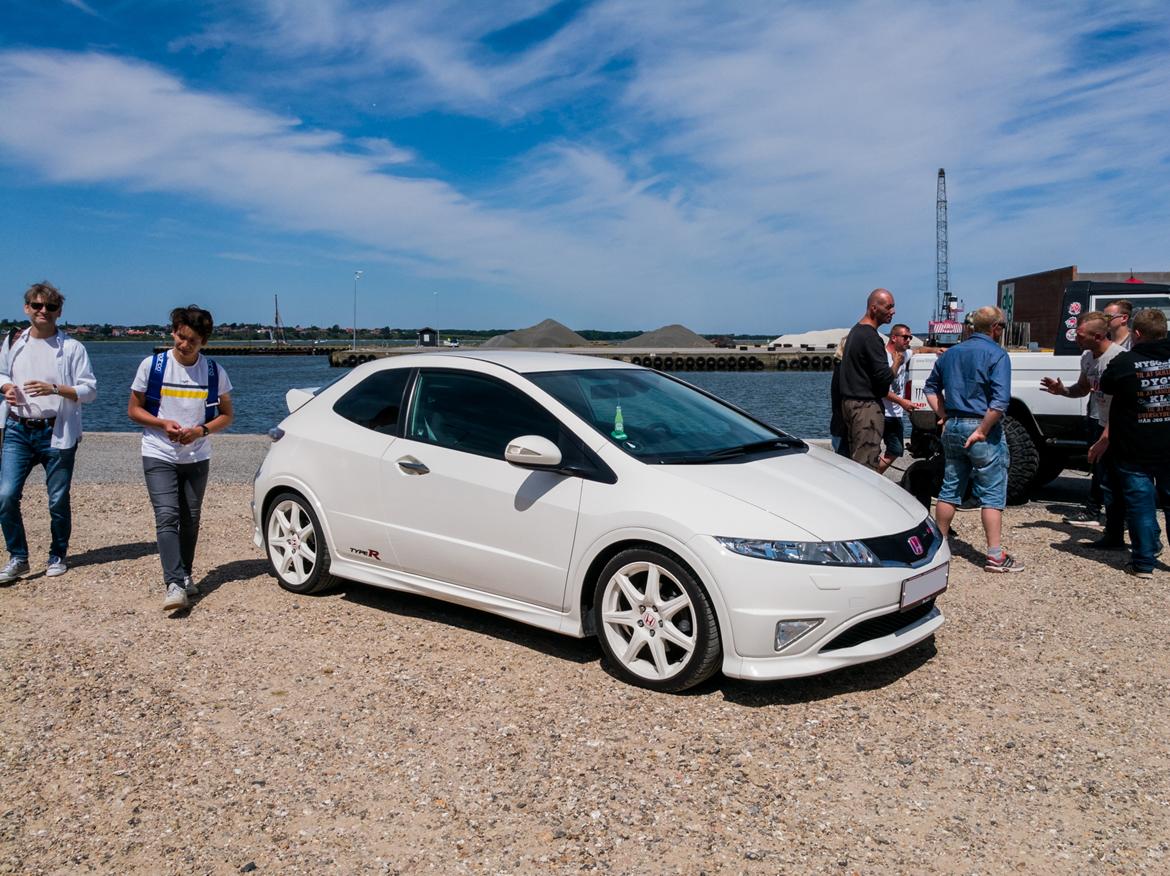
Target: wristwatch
(206, 431)
(56, 389)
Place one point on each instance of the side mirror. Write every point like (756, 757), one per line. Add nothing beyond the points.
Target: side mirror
(532, 451)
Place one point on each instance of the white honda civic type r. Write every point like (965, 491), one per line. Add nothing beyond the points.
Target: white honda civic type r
(596, 498)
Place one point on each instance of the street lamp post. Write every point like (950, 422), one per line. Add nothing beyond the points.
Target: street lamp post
(357, 275)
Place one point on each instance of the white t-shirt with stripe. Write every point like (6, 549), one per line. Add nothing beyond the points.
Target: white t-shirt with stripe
(184, 400)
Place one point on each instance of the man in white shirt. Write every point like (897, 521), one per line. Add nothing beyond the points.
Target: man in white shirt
(45, 377)
(1099, 351)
(894, 405)
(1118, 314)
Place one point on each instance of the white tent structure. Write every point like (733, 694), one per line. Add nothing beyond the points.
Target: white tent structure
(826, 339)
(821, 340)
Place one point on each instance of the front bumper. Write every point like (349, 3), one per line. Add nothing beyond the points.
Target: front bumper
(757, 594)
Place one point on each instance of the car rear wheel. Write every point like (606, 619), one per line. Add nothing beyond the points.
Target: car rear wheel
(296, 546)
(655, 623)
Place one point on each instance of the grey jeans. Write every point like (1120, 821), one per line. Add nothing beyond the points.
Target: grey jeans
(176, 492)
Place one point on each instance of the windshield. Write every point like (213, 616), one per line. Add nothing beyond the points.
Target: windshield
(657, 419)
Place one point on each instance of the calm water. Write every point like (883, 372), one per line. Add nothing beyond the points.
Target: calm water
(797, 403)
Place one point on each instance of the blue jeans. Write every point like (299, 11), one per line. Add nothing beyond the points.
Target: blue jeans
(985, 463)
(23, 449)
(1146, 488)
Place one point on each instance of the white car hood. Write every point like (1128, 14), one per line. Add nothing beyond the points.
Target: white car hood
(823, 493)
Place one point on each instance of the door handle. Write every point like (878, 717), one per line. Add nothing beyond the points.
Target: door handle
(410, 465)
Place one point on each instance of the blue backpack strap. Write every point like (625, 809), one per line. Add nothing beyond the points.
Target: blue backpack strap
(154, 382)
(212, 409)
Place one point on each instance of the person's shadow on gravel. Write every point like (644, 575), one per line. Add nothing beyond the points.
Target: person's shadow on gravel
(1077, 540)
(112, 553)
(236, 570)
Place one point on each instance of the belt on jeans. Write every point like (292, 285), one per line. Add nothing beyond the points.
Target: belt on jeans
(32, 422)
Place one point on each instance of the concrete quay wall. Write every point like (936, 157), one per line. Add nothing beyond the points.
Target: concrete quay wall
(684, 359)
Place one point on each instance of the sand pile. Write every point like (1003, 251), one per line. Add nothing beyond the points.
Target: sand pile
(549, 333)
(672, 336)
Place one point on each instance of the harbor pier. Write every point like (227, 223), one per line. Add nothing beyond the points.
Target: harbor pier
(742, 358)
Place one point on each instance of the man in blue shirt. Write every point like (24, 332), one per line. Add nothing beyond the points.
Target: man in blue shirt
(969, 389)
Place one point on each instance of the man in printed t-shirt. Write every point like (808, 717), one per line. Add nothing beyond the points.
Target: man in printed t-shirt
(1099, 351)
(180, 397)
(1139, 434)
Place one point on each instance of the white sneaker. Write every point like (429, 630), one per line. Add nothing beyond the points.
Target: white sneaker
(176, 597)
(56, 567)
(13, 570)
(190, 586)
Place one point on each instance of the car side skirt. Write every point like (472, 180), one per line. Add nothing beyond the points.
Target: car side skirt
(405, 582)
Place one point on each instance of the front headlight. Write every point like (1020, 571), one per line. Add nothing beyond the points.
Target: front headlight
(817, 553)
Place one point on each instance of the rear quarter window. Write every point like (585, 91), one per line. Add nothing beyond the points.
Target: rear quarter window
(376, 402)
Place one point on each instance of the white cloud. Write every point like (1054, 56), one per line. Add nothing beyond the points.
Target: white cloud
(716, 165)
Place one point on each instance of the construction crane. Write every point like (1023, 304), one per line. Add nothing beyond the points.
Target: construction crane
(942, 303)
(276, 334)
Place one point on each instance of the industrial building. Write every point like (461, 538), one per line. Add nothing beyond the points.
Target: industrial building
(1036, 298)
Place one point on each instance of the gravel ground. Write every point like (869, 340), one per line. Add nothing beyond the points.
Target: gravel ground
(369, 731)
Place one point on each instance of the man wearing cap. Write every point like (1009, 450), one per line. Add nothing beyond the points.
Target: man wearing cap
(45, 377)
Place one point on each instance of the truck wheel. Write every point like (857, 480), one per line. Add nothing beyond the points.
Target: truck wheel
(1052, 463)
(1025, 460)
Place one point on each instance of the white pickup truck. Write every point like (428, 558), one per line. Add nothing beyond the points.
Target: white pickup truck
(1046, 433)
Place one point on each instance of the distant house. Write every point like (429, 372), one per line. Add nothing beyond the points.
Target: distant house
(428, 337)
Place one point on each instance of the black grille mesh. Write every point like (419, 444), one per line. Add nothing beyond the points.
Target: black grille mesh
(876, 627)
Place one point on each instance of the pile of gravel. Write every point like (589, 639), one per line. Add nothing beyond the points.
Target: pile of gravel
(549, 333)
(673, 336)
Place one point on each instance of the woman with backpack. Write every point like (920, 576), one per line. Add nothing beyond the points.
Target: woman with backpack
(180, 397)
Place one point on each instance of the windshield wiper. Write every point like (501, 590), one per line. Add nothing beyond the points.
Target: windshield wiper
(752, 447)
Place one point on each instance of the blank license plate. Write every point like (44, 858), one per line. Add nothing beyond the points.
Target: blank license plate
(922, 587)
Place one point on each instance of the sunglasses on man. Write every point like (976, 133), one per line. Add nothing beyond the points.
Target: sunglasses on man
(41, 305)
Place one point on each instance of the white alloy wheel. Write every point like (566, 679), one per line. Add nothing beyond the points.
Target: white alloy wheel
(655, 622)
(296, 550)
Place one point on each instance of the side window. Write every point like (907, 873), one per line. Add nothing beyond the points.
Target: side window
(474, 413)
(376, 402)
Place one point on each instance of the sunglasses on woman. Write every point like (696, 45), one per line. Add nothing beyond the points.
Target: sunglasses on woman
(41, 305)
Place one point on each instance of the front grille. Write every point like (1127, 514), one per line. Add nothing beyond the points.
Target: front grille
(896, 550)
(876, 627)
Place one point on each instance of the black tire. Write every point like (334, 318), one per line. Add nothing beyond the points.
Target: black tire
(295, 545)
(923, 478)
(781, 364)
(1025, 460)
(618, 620)
(1052, 463)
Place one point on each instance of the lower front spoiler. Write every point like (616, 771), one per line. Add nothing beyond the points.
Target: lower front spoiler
(800, 665)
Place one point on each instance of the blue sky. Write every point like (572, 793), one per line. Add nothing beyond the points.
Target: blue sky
(747, 167)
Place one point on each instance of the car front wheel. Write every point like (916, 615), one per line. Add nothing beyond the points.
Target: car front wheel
(296, 546)
(656, 624)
